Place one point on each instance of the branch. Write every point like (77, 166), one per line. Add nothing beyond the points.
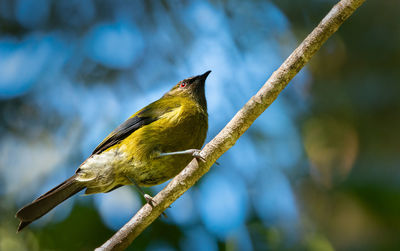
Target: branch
(235, 128)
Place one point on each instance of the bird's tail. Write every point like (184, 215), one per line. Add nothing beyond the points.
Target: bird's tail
(48, 201)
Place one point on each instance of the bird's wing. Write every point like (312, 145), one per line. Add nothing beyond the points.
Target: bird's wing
(144, 117)
(122, 131)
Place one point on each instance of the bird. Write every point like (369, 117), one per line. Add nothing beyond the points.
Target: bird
(149, 148)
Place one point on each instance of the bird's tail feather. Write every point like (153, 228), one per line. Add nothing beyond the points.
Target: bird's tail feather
(48, 201)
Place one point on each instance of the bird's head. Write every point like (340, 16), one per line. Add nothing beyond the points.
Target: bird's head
(192, 87)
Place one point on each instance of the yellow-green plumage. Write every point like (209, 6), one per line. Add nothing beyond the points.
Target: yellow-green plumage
(184, 127)
(136, 150)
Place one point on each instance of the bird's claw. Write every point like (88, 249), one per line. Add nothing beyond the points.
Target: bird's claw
(149, 199)
(198, 156)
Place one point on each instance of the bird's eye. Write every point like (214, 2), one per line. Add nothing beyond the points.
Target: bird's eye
(183, 84)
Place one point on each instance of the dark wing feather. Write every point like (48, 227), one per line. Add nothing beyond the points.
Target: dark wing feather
(123, 131)
(144, 117)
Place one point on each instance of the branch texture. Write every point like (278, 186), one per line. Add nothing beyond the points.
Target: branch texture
(228, 136)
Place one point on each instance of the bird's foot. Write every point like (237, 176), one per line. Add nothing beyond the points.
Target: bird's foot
(151, 202)
(197, 155)
(149, 199)
(194, 152)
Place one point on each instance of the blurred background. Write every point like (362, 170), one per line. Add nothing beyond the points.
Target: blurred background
(319, 170)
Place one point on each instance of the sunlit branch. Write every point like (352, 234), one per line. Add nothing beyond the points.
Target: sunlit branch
(228, 136)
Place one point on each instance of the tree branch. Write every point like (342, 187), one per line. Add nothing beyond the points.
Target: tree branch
(235, 128)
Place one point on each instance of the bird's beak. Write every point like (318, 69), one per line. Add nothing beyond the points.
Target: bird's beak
(204, 76)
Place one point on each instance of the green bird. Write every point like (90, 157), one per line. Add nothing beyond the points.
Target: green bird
(150, 147)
